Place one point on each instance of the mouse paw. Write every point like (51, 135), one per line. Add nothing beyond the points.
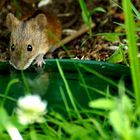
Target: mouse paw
(39, 61)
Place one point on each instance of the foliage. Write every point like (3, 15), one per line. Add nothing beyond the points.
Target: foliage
(87, 15)
(133, 49)
(108, 118)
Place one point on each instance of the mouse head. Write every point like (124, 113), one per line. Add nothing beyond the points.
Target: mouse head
(27, 39)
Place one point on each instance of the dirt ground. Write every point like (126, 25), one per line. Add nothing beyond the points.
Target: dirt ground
(94, 47)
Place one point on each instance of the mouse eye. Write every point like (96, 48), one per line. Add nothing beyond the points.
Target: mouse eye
(13, 47)
(29, 48)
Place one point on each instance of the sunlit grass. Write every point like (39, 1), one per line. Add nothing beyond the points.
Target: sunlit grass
(133, 49)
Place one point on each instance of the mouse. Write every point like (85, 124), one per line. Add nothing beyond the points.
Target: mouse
(31, 39)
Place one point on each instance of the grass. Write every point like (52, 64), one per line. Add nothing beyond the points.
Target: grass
(109, 117)
(68, 90)
(86, 15)
(133, 49)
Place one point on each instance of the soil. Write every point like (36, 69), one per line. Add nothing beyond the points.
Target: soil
(90, 47)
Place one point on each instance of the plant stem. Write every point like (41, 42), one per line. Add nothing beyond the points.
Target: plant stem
(132, 48)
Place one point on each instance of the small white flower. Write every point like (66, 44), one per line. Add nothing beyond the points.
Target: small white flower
(31, 109)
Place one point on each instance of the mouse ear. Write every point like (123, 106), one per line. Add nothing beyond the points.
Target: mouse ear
(41, 21)
(11, 21)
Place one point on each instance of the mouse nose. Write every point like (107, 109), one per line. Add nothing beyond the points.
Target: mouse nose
(16, 64)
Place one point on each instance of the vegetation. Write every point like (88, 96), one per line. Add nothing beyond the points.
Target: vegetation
(107, 118)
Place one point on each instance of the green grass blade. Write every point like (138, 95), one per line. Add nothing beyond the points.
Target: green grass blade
(65, 102)
(86, 15)
(25, 82)
(14, 81)
(68, 89)
(104, 78)
(132, 48)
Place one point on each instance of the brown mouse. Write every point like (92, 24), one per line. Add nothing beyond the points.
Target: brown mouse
(31, 39)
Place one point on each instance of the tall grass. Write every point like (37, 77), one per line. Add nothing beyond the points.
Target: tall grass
(132, 48)
(68, 90)
(86, 15)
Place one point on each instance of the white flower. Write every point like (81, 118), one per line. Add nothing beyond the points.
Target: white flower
(31, 109)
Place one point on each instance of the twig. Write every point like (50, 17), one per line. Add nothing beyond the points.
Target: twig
(68, 39)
